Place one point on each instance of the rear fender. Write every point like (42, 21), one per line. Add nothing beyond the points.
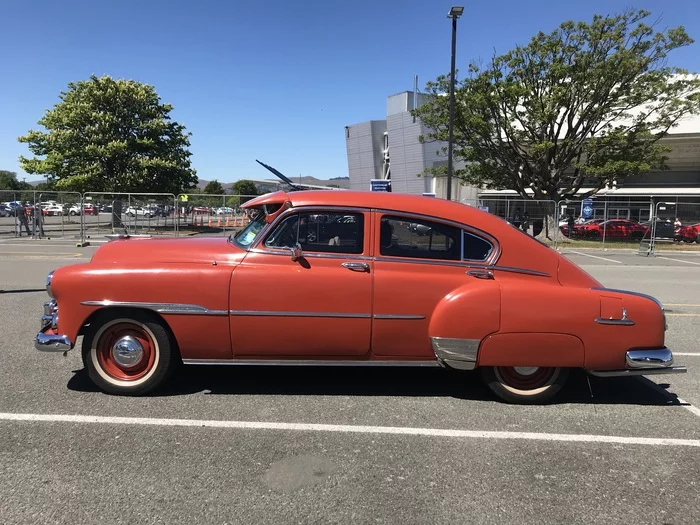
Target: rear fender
(462, 319)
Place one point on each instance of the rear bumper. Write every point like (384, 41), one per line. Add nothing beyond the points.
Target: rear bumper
(644, 362)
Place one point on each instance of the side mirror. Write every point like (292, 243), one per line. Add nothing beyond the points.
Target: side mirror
(296, 252)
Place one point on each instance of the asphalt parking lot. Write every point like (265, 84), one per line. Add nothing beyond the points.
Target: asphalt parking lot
(345, 445)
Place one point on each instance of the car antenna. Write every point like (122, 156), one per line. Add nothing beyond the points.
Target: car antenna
(281, 176)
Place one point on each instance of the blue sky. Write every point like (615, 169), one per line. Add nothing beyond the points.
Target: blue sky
(277, 80)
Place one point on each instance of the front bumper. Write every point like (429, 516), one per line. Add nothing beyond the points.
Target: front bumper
(51, 342)
(644, 362)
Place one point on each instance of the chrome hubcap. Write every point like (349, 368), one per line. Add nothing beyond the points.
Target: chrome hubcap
(526, 370)
(127, 352)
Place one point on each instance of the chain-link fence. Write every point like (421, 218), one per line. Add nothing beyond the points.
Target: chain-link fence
(133, 213)
(38, 214)
(211, 214)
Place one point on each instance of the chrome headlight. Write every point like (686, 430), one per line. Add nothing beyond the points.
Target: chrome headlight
(48, 284)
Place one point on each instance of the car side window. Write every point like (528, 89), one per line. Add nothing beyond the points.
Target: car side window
(476, 248)
(326, 232)
(424, 239)
(419, 238)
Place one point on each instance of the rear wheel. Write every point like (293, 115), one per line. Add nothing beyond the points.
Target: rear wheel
(129, 353)
(525, 385)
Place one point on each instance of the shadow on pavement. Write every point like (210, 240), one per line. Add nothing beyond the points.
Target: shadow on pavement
(384, 381)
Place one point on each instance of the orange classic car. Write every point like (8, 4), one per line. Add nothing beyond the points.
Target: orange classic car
(344, 278)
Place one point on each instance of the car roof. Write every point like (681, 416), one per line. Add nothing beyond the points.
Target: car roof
(404, 202)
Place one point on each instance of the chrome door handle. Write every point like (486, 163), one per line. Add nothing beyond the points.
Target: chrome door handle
(481, 274)
(356, 266)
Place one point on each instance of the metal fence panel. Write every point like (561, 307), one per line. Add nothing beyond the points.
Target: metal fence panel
(38, 214)
(603, 222)
(106, 213)
(536, 217)
(210, 214)
(675, 223)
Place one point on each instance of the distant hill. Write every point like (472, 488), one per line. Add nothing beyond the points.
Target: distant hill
(273, 183)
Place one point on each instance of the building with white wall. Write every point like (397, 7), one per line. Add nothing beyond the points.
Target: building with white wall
(390, 149)
(381, 149)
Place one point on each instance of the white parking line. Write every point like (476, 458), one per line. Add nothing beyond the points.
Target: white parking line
(694, 354)
(358, 429)
(596, 257)
(677, 260)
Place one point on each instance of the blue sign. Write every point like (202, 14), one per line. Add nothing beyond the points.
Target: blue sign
(587, 208)
(380, 185)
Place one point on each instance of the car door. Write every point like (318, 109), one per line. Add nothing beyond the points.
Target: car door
(418, 262)
(318, 303)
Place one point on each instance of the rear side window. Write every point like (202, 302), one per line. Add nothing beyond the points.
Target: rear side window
(425, 239)
(476, 248)
(419, 238)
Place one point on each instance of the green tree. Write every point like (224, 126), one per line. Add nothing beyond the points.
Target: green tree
(245, 189)
(583, 105)
(8, 181)
(214, 187)
(111, 135)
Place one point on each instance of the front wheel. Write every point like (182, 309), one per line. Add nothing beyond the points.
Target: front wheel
(129, 353)
(525, 384)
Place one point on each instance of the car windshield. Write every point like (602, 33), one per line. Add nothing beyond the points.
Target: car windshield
(247, 235)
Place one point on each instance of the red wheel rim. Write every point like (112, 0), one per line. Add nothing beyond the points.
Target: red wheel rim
(120, 371)
(539, 378)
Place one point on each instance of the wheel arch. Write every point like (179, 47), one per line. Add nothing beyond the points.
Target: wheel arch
(127, 311)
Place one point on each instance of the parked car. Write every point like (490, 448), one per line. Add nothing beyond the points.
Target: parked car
(52, 209)
(145, 212)
(663, 229)
(688, 233)
(614, 229)
(88, 209)
(302, 285)
(580, 230)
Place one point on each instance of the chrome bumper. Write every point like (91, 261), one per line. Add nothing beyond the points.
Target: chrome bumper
(51, 342)
(644, 362)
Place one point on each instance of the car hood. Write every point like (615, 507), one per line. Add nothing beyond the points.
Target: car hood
(168, 250)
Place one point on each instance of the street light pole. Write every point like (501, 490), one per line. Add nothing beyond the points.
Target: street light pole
(455, 13)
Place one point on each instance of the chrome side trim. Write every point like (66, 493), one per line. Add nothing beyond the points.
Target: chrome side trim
(298, 314)
(621, 322)
(456, 353)
(639, 371)
(398, 316)
(461, 264)
(161, 308)
(312, 255)
(511, 269)
(649, 358)
(309, 362)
